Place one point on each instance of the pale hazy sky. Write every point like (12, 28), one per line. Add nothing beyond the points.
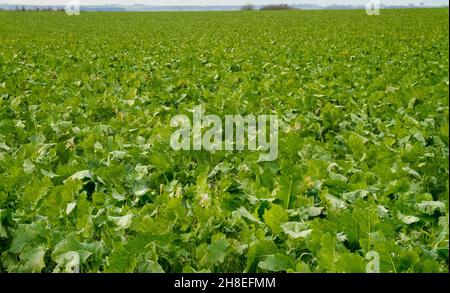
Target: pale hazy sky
(221, 2)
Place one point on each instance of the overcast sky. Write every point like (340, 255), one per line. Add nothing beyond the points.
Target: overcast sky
(220, 2)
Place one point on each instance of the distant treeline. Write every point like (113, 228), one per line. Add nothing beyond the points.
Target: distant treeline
(277, 7)
(269, 7)
(57, 8)
(33, 8)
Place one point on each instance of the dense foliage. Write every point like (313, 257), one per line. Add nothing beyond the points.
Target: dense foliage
(89, 183)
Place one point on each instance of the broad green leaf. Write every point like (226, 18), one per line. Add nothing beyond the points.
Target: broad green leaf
(276, 263)
(275, 217)
(296, 229)
(217, 251)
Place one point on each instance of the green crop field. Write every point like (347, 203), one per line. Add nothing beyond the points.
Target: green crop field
(89, 181)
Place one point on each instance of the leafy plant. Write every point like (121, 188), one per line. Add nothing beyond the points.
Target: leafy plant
(89, 183)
